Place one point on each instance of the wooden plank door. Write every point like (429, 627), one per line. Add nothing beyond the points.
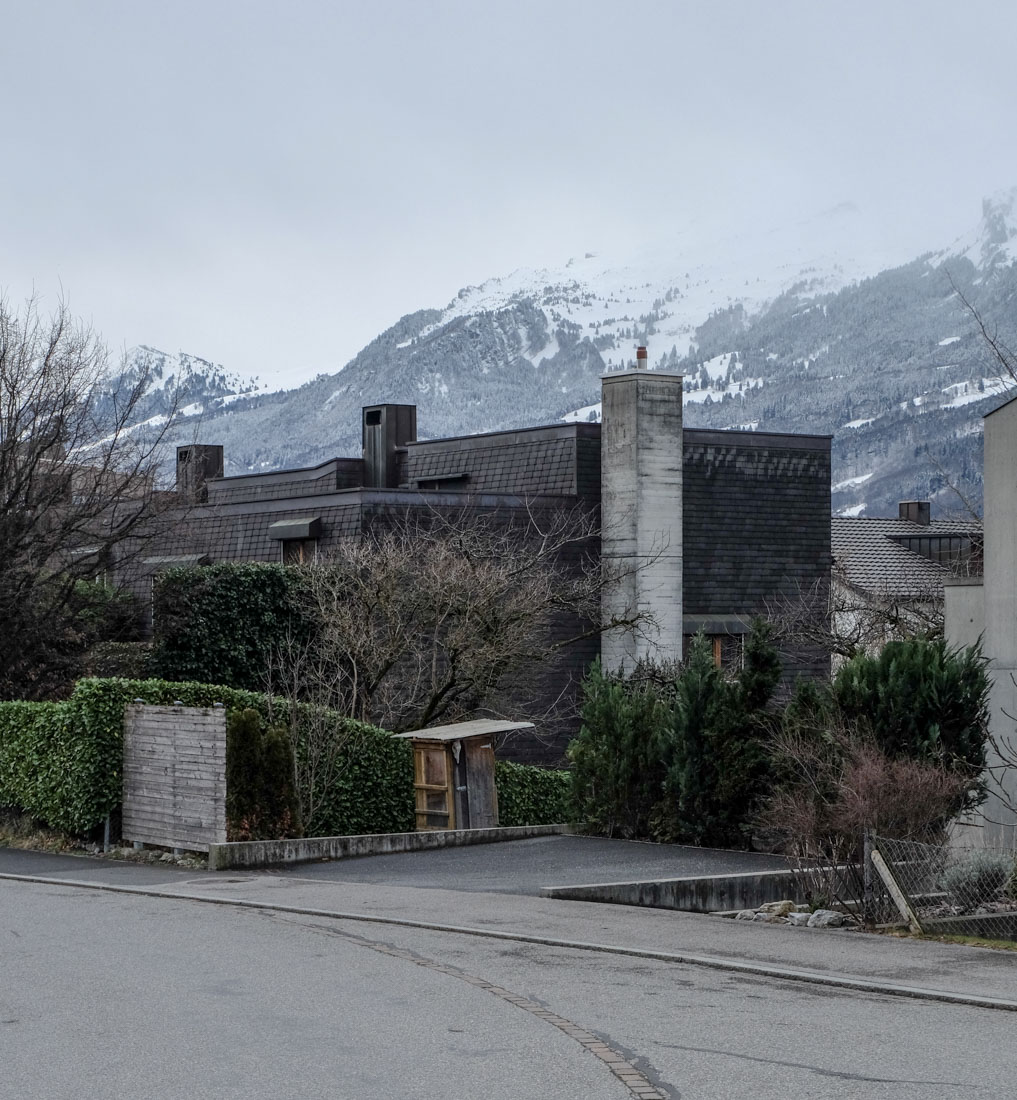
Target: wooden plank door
(432, 783)
(481, 784)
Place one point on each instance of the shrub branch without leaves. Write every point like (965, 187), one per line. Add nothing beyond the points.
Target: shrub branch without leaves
(451, 613)
(836, 782)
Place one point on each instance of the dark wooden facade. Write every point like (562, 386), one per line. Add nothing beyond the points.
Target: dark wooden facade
(756, 517)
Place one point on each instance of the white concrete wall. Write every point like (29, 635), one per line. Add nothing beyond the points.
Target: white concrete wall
(641, 507)
(964, 611)
(1000, 588)
(990, 610)
(964, 625)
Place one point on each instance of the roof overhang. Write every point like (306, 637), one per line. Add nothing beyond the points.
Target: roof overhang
(304, 527)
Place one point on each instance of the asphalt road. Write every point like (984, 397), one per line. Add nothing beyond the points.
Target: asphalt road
(117, 997)
(122, 995)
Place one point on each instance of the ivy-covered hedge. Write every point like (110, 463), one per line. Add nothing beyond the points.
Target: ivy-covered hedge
(47, 768)
(61, 762)
(220, 624)
(531, 796)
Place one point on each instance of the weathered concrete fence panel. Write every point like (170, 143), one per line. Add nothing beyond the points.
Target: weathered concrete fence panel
(175, 776)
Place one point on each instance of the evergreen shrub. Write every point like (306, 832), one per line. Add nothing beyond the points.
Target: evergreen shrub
(678, 753)
(617, 768)
(920, 699)
(261, 800)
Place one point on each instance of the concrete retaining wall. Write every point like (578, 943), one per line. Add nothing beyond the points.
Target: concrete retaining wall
(713, 894)
(998, 926)
(273, 853)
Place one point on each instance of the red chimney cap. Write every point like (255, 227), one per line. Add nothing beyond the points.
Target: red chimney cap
(640, 353)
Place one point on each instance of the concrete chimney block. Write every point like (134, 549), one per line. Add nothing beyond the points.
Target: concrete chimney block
(641, 508)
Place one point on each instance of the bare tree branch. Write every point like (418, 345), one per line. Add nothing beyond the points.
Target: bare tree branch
(844, 621)
(451, 611)
(77, 485)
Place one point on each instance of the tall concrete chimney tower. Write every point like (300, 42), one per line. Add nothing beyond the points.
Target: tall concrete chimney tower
(385, 428)
(641, 513)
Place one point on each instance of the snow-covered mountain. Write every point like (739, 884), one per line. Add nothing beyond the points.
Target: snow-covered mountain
(184, 383)
(823, 327)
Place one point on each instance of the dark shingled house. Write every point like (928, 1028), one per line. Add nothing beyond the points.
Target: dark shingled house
(741, 516)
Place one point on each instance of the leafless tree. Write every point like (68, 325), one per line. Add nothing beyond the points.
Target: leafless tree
(1004, 356)
(448, 613)
(842, 620)
(77, 478)
(308, 678)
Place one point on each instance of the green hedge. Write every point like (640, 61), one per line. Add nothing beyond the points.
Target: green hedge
(47, 768)
(219, 624)
(61, 762)
(531, 796)
(261, 796)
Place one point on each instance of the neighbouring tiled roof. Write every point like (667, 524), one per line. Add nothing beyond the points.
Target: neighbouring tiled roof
(868, 558)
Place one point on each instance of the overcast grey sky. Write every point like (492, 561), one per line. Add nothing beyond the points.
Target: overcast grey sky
(269, 185)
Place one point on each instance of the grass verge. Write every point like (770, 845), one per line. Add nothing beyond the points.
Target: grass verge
(19, 830)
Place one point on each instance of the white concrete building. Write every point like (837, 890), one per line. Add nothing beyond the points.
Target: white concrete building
(989, 610)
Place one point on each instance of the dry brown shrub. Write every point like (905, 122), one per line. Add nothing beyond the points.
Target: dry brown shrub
(835, 784)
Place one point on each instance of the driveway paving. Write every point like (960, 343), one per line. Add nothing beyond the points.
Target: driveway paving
(524, 866)
(512, 867)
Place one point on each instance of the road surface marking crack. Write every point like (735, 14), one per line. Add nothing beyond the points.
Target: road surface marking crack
(637, 1083)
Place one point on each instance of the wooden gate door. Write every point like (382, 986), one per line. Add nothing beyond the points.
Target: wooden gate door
(480, 782)
(432, 785)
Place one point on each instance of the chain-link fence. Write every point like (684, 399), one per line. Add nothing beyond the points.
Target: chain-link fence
(956, 891)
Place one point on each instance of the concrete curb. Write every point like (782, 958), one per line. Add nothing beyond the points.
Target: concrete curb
(759, 970)
(251, 854)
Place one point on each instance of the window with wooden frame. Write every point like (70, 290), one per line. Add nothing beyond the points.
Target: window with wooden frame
(726, 649)
(299, 551)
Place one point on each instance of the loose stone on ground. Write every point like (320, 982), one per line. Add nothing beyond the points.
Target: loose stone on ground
(799, 916)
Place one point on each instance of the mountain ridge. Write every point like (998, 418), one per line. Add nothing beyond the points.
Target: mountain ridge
(802, 336)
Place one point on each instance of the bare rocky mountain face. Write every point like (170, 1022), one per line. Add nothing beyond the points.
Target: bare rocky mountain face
(808, 331)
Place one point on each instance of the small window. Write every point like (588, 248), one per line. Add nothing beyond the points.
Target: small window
(454, 482)
(372, 418)
(725, 648)
(298, 551)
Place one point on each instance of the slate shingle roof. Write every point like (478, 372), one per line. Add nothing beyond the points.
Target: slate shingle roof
(867, 556)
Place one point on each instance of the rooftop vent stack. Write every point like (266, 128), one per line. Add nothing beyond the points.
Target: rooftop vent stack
(386, 428)
(917, 511)
(641, 358)
(641, 510)
(196, 466)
